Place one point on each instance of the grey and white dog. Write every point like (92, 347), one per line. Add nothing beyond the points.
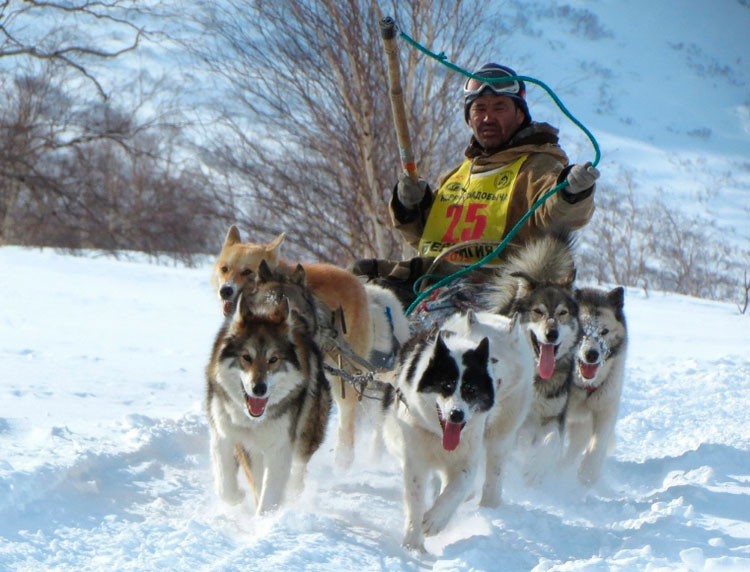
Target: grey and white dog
(597, 380)
(536, 286)
(267, 397)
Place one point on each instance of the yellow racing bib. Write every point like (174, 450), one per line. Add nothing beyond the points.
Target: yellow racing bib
(470, 206)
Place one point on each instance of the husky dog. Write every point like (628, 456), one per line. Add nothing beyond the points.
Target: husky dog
(535, 285)
(434, 422)
(511, 366)
(597, 381)
(374, 320)
(267, 401)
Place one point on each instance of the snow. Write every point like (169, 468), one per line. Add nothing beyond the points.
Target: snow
(104, 443)
(105, 446)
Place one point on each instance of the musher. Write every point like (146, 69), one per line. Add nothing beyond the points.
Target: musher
(511, 161)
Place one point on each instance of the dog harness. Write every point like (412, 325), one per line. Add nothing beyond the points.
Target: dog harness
(470, 207)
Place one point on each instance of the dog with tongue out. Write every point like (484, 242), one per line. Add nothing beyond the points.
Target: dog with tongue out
(435, 417)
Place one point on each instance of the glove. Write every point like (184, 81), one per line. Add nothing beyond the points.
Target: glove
(410, 193)
(581, 178)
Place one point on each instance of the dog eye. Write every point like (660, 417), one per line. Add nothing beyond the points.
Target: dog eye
(562, 313)
(537, 311)
(225, 269)
(246, 272)
(248, 358)
(604, 332)
(273, 359)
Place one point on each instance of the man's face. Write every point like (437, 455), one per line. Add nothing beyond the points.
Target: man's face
(494, 119)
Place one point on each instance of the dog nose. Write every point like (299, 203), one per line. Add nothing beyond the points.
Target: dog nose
(259, 389)
(226, 292)
(456, 416)
(592, 356)
(552, 334)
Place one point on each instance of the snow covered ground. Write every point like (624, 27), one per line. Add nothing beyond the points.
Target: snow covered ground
(104, 446)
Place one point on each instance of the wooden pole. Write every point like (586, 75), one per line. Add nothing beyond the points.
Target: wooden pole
(388, 33)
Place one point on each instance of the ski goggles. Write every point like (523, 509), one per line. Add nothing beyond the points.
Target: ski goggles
(474, 87)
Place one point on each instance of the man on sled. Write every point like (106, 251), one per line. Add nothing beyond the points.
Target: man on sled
(511, 161)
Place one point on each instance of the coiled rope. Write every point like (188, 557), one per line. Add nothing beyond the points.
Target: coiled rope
(500, 247)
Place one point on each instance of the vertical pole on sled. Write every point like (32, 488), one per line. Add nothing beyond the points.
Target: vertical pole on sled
(388, 33)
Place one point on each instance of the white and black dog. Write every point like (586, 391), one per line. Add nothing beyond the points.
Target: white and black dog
(434, 422)
(536, 286)
(511, 365)
(597, 381)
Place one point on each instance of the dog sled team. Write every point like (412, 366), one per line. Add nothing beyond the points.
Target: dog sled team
(514, 364)
(538, 362)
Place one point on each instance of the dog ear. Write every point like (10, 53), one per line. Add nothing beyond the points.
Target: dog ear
(233, 236)
(273, 248)
(298, 276)
(281, 312)
(525, 282)
(483, 349)
(242, 314)
(265, 274)
(567, 281)
(515, 324)
(440, 346)
(299, 323)
(616, 297)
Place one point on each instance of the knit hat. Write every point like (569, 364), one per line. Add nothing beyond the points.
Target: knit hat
(515, 89)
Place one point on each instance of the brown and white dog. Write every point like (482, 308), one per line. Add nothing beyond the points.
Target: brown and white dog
(374, 318)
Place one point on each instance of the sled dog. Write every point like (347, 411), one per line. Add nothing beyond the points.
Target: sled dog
(374, 319)
(434, 422)
(597, 380)
(511, 365)
(535, 285)
(267, 401)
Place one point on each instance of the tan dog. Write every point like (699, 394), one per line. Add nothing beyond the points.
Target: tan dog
(238, 262)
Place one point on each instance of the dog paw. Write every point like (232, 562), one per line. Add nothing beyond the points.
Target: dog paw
(589, 471)
(344, 457)
(534, 474)
(490, 499)
(414, 541)
(435, 520)
(231, 496)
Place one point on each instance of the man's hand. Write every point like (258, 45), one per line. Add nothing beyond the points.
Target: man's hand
(409, 192)
(581, 178)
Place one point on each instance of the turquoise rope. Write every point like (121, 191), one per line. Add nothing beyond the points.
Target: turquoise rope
(500, 247)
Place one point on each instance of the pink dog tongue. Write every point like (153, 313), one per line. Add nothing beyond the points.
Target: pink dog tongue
(588, 370)
(256, 406)
(228, 307)
(546, 360)
(451, 435)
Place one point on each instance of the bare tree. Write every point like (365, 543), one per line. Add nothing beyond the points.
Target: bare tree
(308, 145)
(614, 243)
(90, 157)
(635, 242)
(66, 33)
(745, 294)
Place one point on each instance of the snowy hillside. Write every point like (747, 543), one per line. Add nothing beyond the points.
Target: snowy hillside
(664, 86)
(105, 464)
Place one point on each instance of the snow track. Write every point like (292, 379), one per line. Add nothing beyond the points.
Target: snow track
(105, 463)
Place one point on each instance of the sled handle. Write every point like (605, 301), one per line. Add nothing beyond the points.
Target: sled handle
(388, 33)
